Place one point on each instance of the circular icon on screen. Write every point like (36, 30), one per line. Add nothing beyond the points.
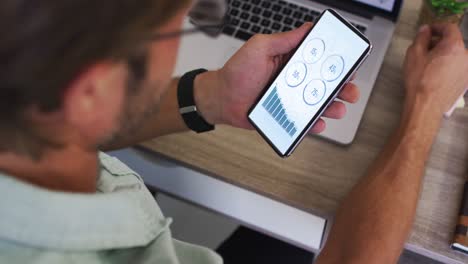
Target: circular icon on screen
(313, 51)
(314, 92)
(332, 68)
(296, 74)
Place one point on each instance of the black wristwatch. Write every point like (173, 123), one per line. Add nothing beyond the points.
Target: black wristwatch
(187, 107)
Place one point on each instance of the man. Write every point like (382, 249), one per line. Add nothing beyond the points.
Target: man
(79, 75)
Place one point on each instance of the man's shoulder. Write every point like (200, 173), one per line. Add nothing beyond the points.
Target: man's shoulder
(164, 249)
(16, 253)
(115, 167)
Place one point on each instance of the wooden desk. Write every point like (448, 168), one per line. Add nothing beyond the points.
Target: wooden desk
(319, 174)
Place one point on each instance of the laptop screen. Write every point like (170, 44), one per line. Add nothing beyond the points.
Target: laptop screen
(386, 5)
(368, 8)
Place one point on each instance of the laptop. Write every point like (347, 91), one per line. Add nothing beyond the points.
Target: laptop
(375, 18)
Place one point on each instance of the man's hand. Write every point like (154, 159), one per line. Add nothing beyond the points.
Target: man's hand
(438, 71)
(234, 88)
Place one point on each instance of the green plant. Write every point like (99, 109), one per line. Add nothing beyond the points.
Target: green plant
(449, 6)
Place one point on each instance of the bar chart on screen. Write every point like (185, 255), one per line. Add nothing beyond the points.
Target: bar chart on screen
(275, 108)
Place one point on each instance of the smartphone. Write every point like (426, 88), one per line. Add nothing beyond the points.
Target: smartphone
(309, 82)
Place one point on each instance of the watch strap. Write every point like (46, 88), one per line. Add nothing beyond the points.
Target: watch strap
(187, 106)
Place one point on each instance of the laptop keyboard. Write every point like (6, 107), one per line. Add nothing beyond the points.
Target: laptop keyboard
(249, 17)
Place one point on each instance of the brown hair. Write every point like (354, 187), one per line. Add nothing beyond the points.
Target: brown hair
(46, 43)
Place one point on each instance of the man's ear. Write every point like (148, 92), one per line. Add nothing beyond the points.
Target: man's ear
(93, 102)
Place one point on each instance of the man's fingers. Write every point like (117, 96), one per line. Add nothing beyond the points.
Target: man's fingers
(350, 93)
(319, 127)
(336, 110)
(448, 31)
(422, 42)
(283, 43)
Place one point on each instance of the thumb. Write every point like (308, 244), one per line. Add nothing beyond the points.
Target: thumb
(284, 43)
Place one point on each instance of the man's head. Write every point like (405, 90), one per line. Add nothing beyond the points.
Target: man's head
(71, 71)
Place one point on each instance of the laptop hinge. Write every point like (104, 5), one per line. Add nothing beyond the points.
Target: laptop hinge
(347, 6)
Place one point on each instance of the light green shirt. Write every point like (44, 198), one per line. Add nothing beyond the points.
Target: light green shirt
(121, 223)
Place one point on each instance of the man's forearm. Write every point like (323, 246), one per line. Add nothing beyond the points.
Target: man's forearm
(375, 219)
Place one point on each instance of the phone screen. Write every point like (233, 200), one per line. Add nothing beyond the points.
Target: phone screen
(296, 98)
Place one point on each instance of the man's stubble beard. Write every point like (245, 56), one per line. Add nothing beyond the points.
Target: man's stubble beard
(137, 109)
(142, 99)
